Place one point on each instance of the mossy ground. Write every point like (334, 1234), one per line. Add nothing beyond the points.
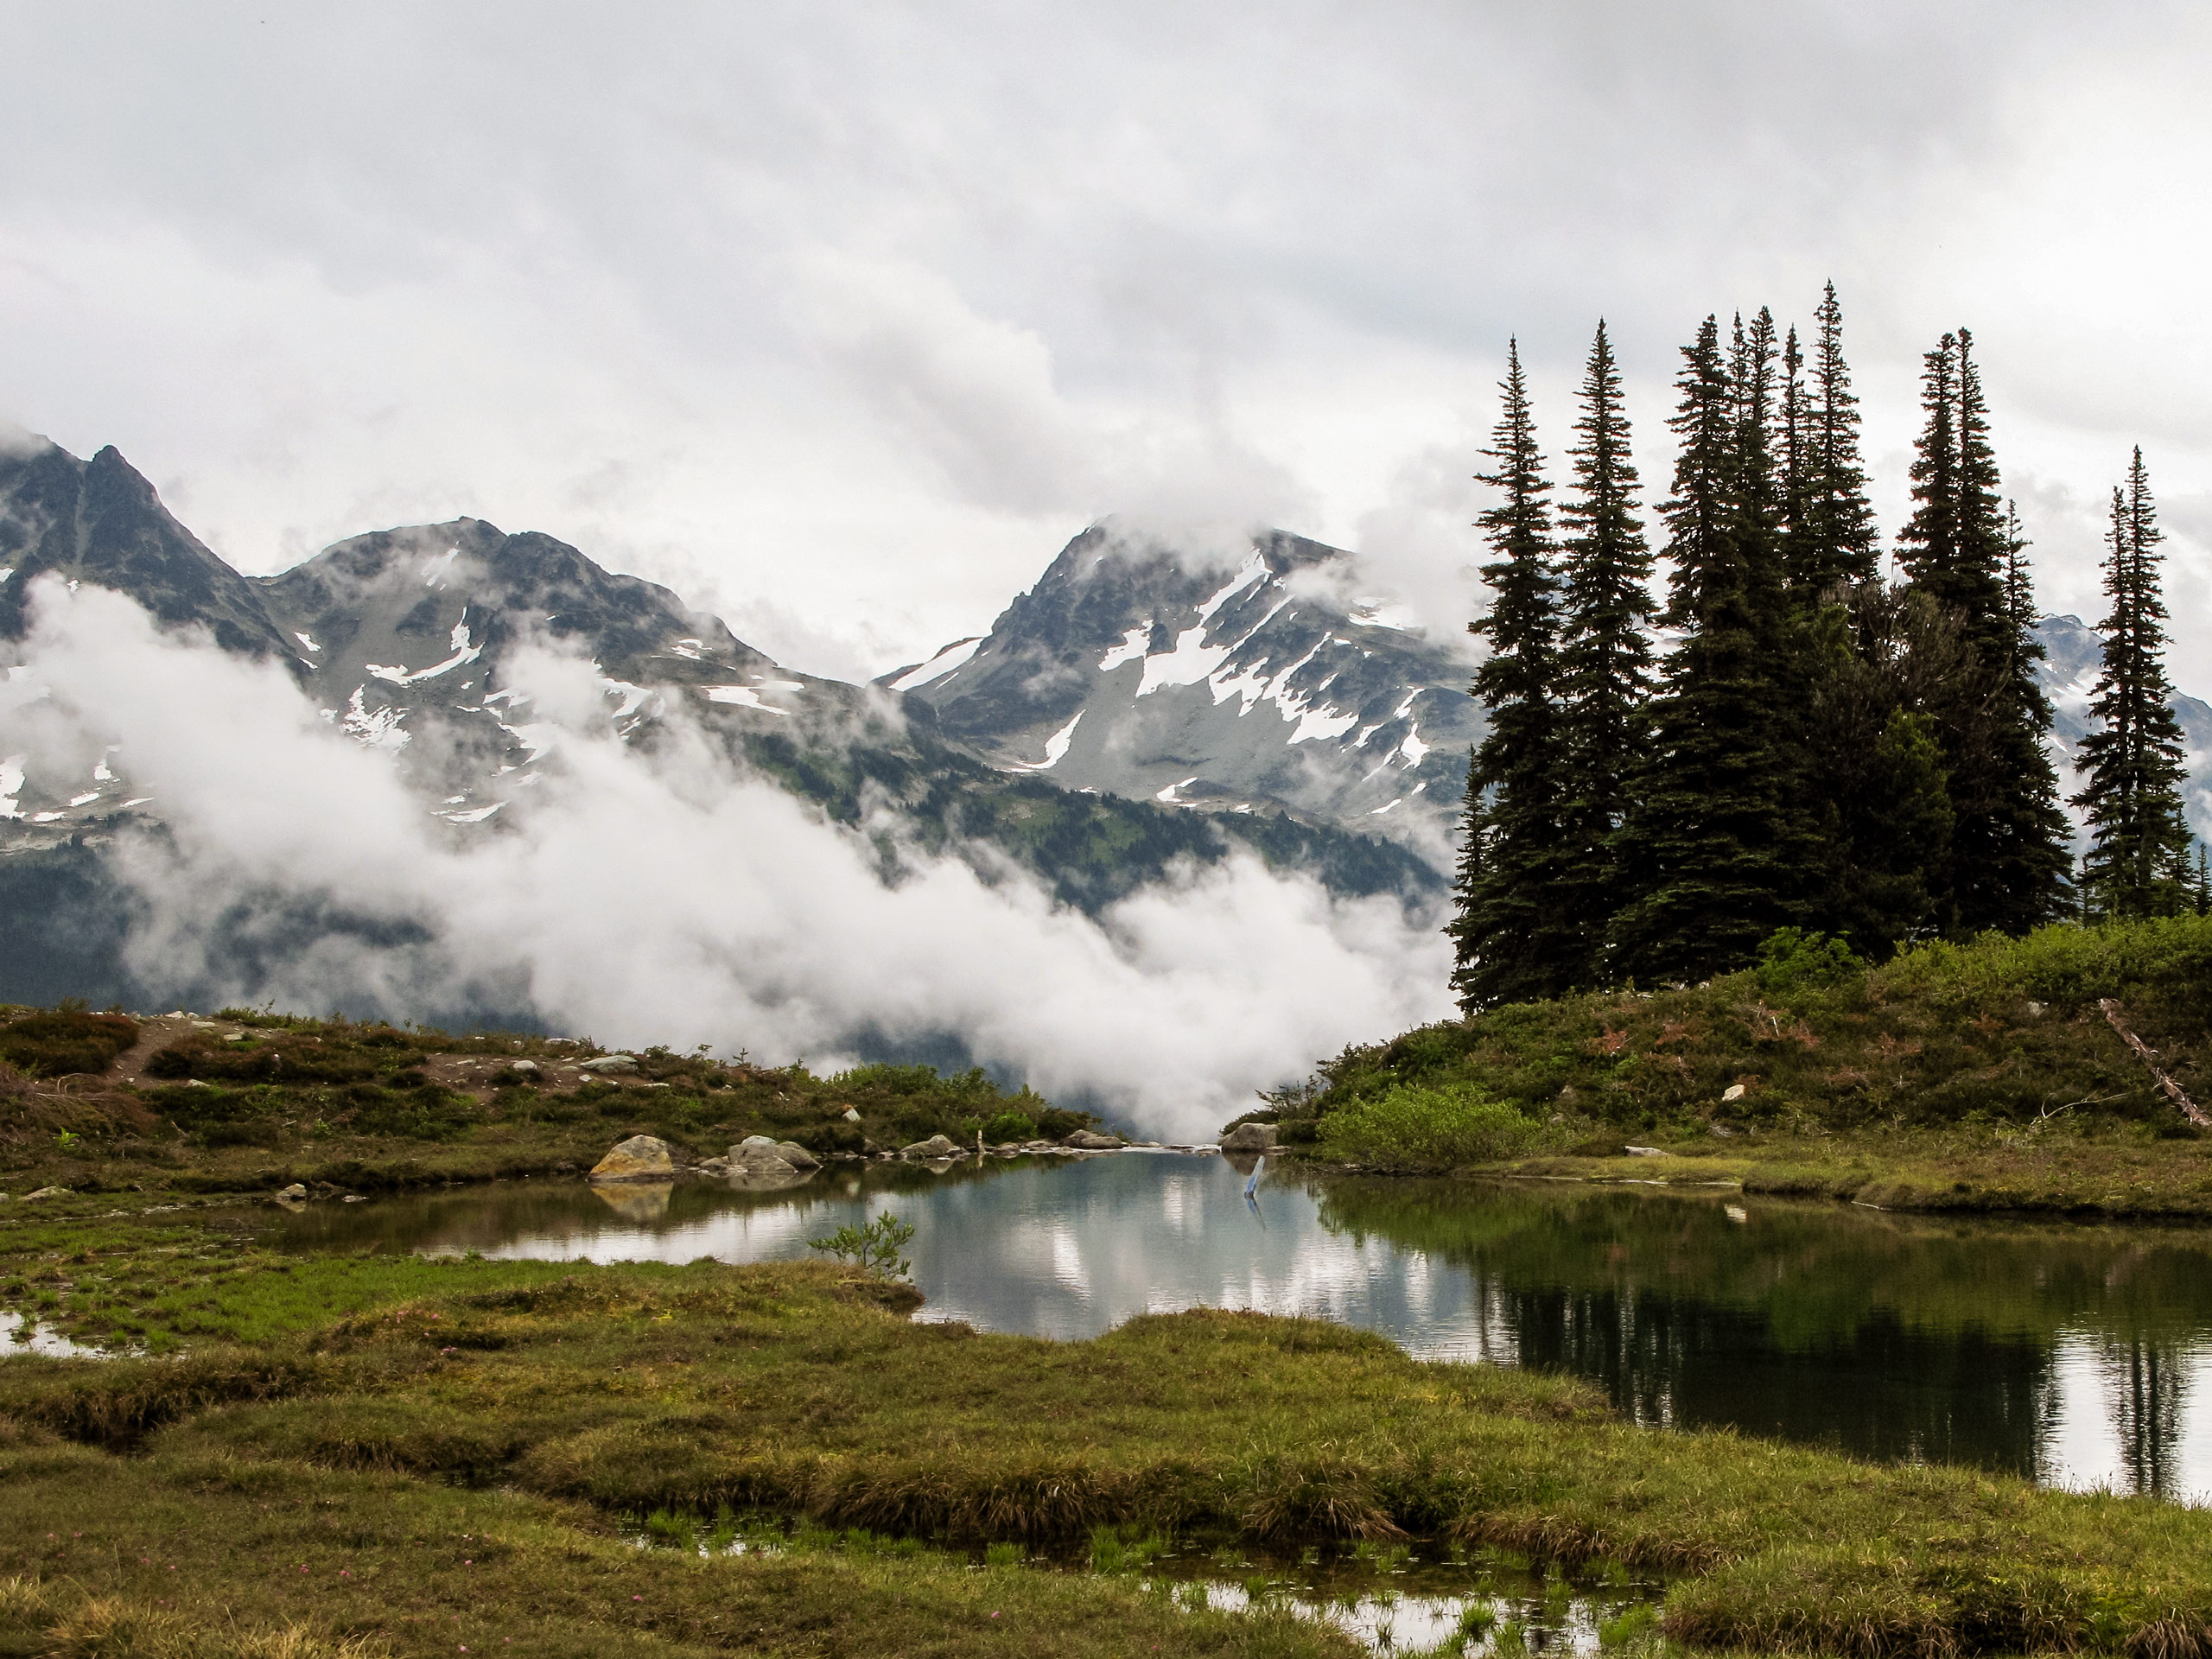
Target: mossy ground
(248, 1101)
(452, 1460)
(1985, 1076)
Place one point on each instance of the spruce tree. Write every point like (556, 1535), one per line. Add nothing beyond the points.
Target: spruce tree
(1511, 944)
(2006, 864)
(1711, 863)
(2137, 861)
(1834, 537)
(1605, 659)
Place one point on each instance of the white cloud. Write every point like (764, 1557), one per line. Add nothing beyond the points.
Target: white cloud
(861, 312)
(670, 900)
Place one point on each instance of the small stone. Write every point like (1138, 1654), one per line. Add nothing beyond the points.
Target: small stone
(527, 1068)
(1249, 1137)
(48, 1192)
(852, 1116)
(1733, 1091)
(354, 1198)
(611, 1065)
(641, 1157)
(294, 1193)
(1646, 1151)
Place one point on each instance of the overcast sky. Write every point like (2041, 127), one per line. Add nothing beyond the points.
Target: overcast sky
(841, 319)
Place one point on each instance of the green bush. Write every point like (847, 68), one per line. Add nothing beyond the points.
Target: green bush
(1792, 960)
(66, 1042)
(1429, 1129)
(1008, 1126)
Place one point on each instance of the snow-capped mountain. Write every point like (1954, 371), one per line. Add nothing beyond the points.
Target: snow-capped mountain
(1142, 670)
(405, 638)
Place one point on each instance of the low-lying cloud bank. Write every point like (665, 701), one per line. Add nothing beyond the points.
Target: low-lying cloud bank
(670, 898)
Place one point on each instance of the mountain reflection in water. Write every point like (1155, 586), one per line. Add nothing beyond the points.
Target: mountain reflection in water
(2077, 1355)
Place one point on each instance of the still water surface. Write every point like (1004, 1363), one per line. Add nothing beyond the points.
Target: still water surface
(2076, 1355)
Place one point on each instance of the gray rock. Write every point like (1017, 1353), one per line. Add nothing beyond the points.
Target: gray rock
(1091, 1140)
(611, 1065)
(1646, 1151)
(935, 1147)
(1249, 1137)
(48, 1192)
(527, 1067)
(797, 1156)
(293, 1194)
(852, 1115)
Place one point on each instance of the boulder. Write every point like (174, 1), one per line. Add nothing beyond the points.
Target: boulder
(641, 1157)
(48, 1192)
(1645, 1152)
(527, 1068)
(935, 1147)
(1249, 1137)
(293, 1194)
(797, 1156)
(1091, 1140)
(608, 1065)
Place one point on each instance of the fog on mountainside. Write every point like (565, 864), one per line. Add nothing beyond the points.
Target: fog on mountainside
(457, 773)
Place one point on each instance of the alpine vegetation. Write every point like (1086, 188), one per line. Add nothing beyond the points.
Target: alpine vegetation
(1792, 741)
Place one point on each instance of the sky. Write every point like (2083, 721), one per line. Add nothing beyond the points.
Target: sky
(841, 319)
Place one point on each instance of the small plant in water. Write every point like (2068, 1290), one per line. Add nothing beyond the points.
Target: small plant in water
(725, 1531)
(1111, 1553)
(873, 1247)
(672, 1530)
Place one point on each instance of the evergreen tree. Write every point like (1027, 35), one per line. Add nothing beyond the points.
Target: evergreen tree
(1511, 944)
(2138, 863)
(1712, 864)
(1605, 659)
(1833, 536)
(2006, 865)
(1885, 809)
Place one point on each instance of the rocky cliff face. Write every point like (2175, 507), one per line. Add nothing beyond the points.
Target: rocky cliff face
(1256, 682)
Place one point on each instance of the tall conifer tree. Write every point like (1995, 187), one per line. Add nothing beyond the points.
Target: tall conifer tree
(1711, 860)
(1834, 539)
(2138, 863)
(2006, 864)
(1604, 659)
(1511, 944)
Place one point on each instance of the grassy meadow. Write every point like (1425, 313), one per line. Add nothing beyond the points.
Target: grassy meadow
(249, 1101)
(415, 1455)
(1985, 1076)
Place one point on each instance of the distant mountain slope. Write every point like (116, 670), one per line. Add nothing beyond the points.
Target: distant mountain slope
(2074, 655)
(1141, 670)
(405, 638)
(99, 521)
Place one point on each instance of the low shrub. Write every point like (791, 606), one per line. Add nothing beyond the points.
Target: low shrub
(1413, 1127)
(67, 1042)
(1007, 1126)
